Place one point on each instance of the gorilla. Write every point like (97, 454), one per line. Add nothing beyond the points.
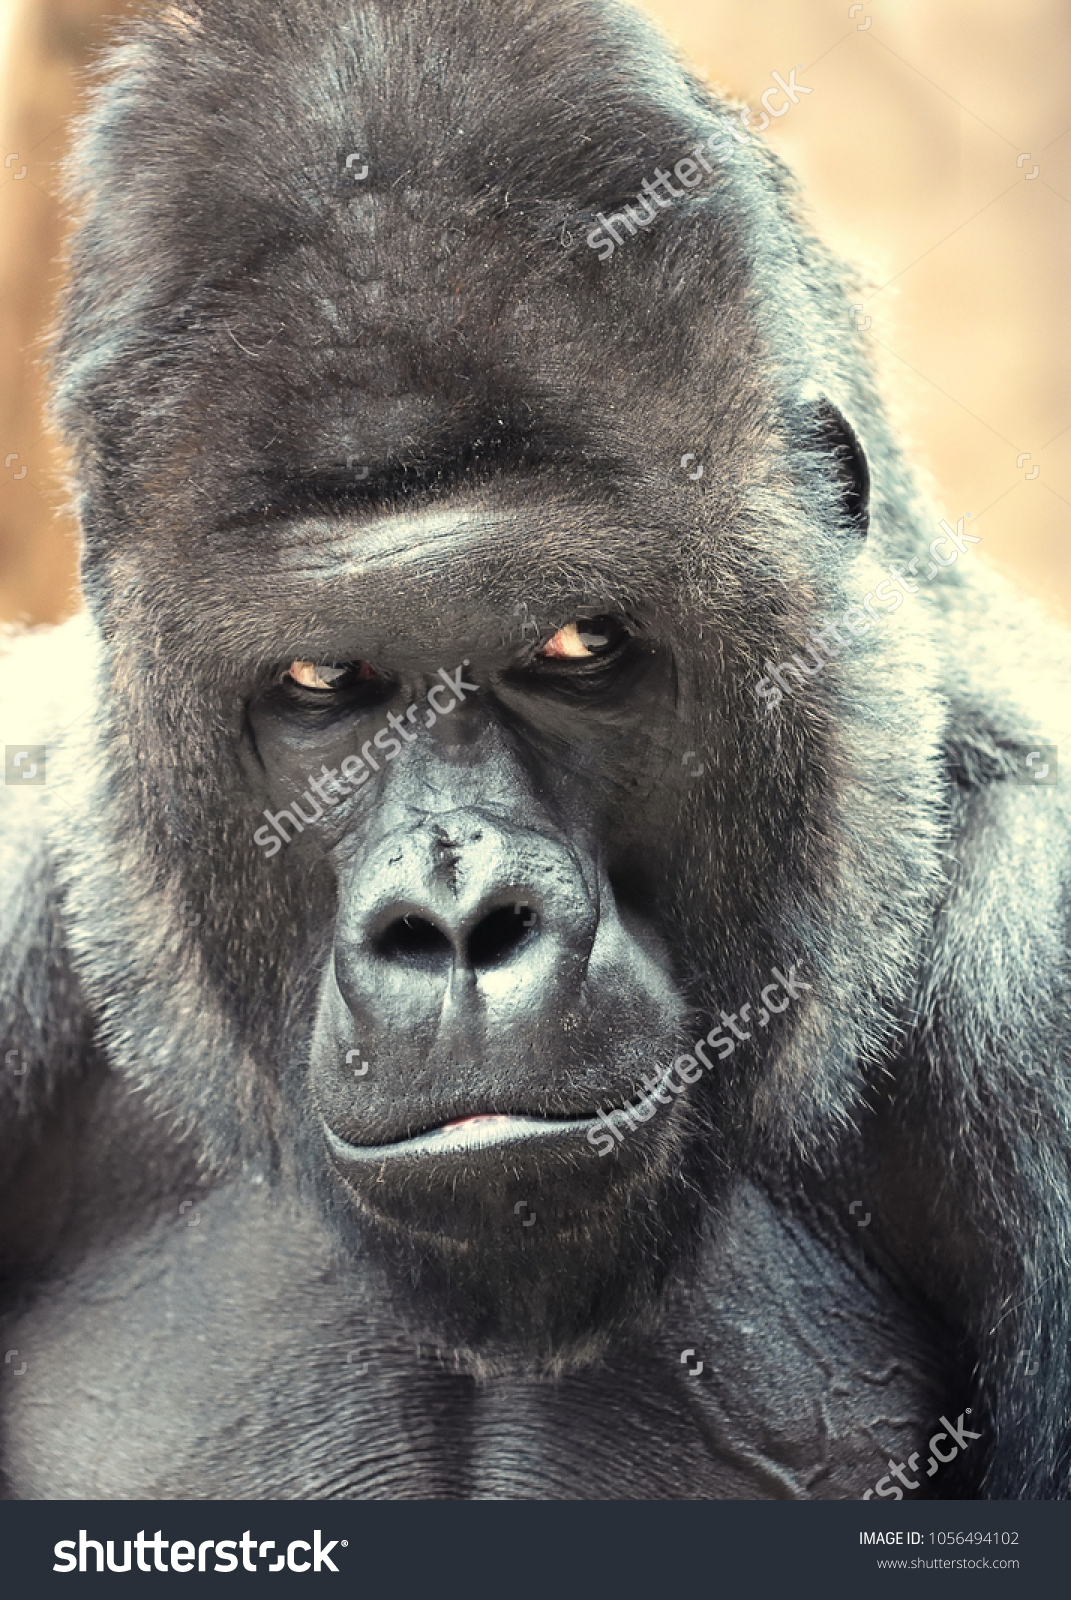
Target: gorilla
(535, 945)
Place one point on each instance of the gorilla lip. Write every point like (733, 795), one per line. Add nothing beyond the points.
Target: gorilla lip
(462, 1136)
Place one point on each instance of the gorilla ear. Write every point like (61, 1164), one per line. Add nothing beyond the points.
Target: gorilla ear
(827, 430)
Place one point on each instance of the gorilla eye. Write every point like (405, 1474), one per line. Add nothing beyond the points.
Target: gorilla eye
(583, 640)
(331, 676)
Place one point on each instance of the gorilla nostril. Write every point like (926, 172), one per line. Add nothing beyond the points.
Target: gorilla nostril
(500, 934)
(413, 938)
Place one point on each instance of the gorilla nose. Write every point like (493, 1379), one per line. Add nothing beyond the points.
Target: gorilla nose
(463, 900)
(497, 938)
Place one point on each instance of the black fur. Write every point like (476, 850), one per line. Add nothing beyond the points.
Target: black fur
(272, 369)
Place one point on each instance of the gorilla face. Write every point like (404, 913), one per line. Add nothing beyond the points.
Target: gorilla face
(495, 819)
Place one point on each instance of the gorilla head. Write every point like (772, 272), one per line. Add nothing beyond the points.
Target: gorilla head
(434, 810)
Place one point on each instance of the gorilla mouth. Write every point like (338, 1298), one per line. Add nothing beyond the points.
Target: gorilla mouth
(463, 1136)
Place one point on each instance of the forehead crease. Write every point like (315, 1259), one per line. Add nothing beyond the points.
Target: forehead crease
(500, 548)
(429, 540)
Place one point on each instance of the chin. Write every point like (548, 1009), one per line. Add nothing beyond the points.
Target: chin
(509, 1245)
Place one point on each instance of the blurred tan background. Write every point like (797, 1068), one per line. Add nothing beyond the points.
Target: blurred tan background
(934, 147)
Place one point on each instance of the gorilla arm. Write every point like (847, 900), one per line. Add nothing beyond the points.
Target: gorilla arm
(45, 1030)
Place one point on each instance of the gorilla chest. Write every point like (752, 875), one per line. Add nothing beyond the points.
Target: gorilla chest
(229, 1360)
